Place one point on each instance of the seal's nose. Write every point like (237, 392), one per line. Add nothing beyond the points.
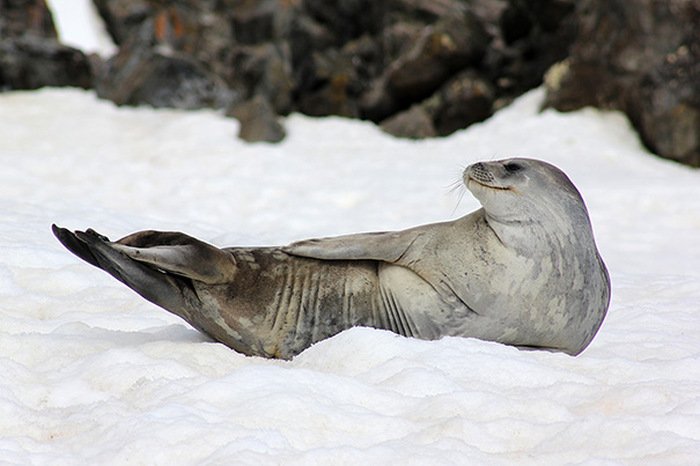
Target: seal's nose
(479, 172)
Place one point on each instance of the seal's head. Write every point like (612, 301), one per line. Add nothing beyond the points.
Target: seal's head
(522, 191)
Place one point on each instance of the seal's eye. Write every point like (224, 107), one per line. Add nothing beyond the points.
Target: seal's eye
(512, 167)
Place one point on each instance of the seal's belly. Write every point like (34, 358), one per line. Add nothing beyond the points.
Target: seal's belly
(278, 304)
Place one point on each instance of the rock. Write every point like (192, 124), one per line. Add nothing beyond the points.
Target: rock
(305, 36)
(337, 78)
(450, 45)
(124, 18)
(32, 62)
(30, 54)
(347, 19)
(414, 123)
(641, 57)
(253, 22)
(141, 73)
(440, 50)
(193, 28)
(665, 107)
(421, 67)
(462, 101)
(531, 37)
(259, 21)
(19, 18)
(258, 121)
(263, 69)
(426, 11)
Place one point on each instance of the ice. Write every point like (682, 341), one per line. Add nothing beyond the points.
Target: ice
(93, 374)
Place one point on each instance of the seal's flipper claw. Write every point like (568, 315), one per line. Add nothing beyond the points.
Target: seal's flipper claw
(74, 244)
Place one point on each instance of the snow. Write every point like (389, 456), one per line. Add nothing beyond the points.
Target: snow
(78, 25)
(93, 374)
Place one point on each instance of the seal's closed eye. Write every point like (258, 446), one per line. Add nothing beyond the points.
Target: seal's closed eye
(513, 167)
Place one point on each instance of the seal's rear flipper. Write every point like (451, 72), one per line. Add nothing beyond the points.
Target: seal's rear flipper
(74, 245)
(166, 290)
(179, 254)
(169, 252)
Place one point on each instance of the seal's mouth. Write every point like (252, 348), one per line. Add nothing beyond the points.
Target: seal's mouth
(480, 183)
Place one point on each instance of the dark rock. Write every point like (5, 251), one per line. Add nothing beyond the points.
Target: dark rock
(254, 21)
(398, 38)
(32, 62)
(377, 103)
(258, 21)
(305, 36)
(19, 18)
(462, 101)
(665, 107)
(426, 11)
(261, 69)
(439, 51)
(422, 67)
(531, 37)
(143, 74)
(331, 81)
(347, 19)
(258, 121)
(30, 54)
(465, 99)
(641, 57)
(414, 123)
(332, 85)
(450, 45)
(124, 18)
(195, 28)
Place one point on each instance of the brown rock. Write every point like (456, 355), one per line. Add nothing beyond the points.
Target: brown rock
(258, 121)
(462, 101)
(414, 123)
(641, 57)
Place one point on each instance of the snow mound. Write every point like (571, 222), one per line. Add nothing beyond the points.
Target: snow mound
(92, 374)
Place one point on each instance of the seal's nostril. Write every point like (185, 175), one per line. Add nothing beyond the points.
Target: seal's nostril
(480, 173)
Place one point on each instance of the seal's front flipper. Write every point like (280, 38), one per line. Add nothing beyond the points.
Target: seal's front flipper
(390, 246)
(179, 254)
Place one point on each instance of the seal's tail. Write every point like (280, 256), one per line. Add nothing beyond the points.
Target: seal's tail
(160, 266)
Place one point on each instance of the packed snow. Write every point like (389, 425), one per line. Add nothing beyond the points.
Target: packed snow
(93, 374)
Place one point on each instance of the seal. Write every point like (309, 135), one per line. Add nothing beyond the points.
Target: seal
(523, 270)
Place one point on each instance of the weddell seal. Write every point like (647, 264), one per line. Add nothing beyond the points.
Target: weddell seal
(523, 270)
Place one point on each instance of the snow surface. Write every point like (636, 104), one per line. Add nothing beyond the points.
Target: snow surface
(78, 25)
(93, 374)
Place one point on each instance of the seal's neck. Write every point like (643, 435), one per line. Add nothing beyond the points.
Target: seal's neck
(527, 236)
(512, 233)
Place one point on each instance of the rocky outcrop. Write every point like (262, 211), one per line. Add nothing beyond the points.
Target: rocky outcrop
(149, 71)
(440, 62)
(418, 68)
(641, 57)
(30, 54)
